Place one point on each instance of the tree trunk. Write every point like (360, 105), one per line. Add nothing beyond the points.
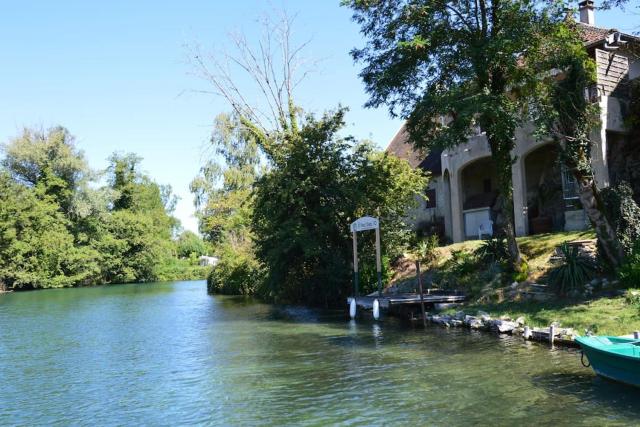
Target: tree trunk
(501, 154)
(579, 163)
(592, 205)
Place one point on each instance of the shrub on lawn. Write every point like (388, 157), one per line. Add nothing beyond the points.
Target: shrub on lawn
(573, 272)
(629, 273)
(493, 251)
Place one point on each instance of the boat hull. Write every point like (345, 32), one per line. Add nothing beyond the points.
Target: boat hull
(618, 361)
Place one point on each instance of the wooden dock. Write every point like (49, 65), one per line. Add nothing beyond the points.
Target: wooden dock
(391, 301)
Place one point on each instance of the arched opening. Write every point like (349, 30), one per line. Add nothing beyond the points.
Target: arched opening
(479, 195)
(544, 195)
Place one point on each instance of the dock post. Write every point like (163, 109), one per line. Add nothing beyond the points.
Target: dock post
(424, 316)
(378, 262)
(527, 332)
(636, 335)
(552, 332)
(356, 274)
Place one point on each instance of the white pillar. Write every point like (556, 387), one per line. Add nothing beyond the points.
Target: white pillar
(599, 147)
(446, 189)
(520, 197)
(457, 219)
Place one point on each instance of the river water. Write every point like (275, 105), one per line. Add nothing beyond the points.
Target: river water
(168, 354)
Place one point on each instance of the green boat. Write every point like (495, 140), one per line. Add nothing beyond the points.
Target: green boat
(616, 358)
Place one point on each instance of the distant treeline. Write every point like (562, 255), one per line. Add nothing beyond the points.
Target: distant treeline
(63, 224)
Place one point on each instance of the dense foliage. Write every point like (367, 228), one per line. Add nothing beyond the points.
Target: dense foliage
(224, 203)
(624, 212)
(304, 205)
(58, 228)
(454, 69)
(283, 232)
(563, 114)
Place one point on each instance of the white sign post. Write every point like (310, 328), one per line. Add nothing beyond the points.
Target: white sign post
(363, 224)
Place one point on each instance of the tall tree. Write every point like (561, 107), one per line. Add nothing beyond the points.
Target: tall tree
(449, 66)
(135, 237)
(315, 185)
(304, 205)
(223, 188)
(50, 163)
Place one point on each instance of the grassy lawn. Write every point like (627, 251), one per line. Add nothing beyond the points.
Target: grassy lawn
(536, 249)
(603, 316)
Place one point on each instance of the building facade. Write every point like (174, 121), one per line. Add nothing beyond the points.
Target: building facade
(463, 201)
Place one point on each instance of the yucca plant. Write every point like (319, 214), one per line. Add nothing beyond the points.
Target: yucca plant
(493, 251)
(574, 271)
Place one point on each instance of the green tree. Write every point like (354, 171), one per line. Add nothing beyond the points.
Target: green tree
(36, 248)
(304, 205)
(316, 183)
(135, 238)
(50, 163)
(189, 244)
(448, 67)
(223, 188)
(224, 202)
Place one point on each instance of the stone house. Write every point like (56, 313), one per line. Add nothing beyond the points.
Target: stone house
(463, 199)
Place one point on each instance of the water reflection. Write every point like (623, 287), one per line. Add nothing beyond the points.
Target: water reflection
(148, 354)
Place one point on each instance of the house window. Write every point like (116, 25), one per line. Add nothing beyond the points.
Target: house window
(431, 198)
(570, 190)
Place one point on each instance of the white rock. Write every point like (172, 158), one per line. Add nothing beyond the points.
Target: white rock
(476, 324)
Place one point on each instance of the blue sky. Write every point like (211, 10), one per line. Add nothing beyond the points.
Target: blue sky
(114, 73)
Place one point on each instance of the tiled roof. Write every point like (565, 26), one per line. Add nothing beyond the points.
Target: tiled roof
(403, 149)
(591, 34)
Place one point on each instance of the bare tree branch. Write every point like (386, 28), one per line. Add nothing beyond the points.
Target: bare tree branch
(271, 68)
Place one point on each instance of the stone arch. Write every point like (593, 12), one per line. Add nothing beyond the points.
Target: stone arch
(542, 188)
(479, 205)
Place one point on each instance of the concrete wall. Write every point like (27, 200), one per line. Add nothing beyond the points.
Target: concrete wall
(421, 213)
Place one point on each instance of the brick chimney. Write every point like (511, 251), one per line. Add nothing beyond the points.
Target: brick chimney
(586, 9)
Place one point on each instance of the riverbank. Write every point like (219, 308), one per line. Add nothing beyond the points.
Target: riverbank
(600, 307)
(605, 315)
(456, 265)
(177, 270)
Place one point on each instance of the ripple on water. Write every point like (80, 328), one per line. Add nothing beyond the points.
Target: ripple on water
(166, 354)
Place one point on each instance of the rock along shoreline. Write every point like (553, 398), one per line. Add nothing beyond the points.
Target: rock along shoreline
(482, 321)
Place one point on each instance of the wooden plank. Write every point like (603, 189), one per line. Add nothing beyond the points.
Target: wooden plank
(406, 299)
(612, 69)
